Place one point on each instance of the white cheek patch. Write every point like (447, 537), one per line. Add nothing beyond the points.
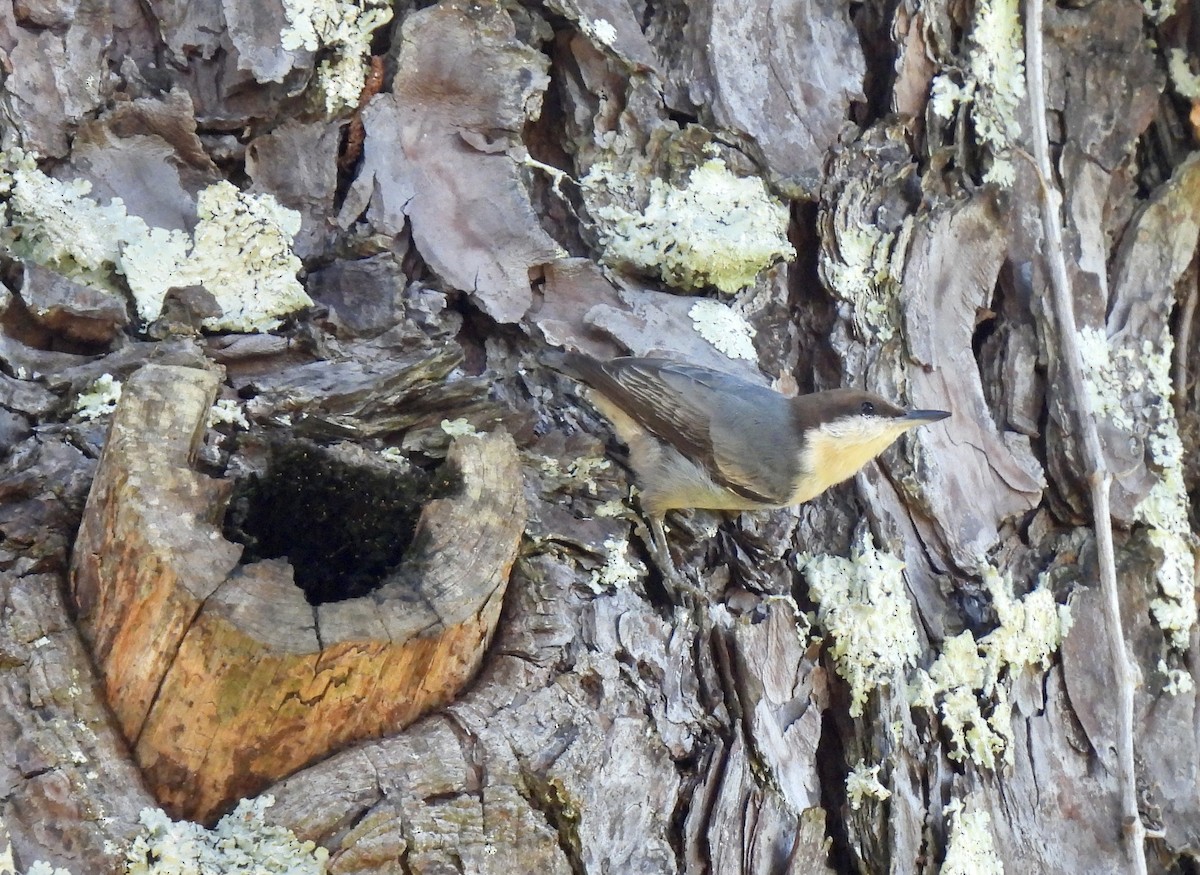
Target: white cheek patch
(861, 429)
(870, 436)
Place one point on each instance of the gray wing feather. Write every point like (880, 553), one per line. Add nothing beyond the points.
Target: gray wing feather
(728, 425)
(748, 450)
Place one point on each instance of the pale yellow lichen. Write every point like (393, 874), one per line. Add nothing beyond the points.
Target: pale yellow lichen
(1175, 607)
(863, 782)
(583, 470)
(152, 263)
(100, 399)
(241, 253)
(866, 266)
(717, 230)
(54, 222)
(1031, 628)
(993, 84)
(612, 510)
(1131, 386)
(41, 867)
(617, 571)
(1179, 682)
(242, 841)
(970, 849)
(1105, 372)
(1185, 80)
(601, 30)
(863, 605)
(7, 865)
(968, 684)
(1158, 12)
(342, 29)
(725, 328)
(459, 428)
(396, 457)
(579, 473)
(226, 411)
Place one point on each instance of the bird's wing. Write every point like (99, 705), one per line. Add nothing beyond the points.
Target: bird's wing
(751, 437)
(728, 425)
(660, 397)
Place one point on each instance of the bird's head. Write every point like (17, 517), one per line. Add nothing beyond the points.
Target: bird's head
(846, 428)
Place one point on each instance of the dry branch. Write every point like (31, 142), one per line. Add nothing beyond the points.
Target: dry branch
(1099, 477)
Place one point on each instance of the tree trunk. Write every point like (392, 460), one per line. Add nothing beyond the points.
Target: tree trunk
(343, 542)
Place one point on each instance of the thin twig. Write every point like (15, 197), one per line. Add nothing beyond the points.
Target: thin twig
(1099, 477)
(1180, 381)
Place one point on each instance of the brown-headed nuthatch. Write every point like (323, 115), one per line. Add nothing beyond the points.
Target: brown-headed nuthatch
(703, 439)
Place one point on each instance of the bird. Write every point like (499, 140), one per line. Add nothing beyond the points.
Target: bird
(702, 438)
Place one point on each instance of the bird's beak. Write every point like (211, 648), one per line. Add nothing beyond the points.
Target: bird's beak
(923, 417)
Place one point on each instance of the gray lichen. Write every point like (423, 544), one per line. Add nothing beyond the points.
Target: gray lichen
(241, 842)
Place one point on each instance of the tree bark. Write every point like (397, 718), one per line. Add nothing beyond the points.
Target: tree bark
(876, 681)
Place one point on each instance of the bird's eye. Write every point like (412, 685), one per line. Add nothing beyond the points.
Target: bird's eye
(868, 409)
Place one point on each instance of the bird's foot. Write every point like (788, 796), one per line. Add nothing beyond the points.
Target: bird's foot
(682, 592)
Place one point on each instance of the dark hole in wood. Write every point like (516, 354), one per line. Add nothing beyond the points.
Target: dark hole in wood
(985, 329)
(342, 527)
(831, 770)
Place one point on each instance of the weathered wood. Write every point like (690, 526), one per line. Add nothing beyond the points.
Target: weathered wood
(603, 730)
(223, 678)
(70, 792)
(77, 311)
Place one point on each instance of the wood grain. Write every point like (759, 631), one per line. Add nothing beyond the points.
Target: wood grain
(222, 677)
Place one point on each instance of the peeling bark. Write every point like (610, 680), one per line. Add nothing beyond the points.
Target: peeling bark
(446, 241)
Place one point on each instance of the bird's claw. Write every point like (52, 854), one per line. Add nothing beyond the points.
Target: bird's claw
(683, 592)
